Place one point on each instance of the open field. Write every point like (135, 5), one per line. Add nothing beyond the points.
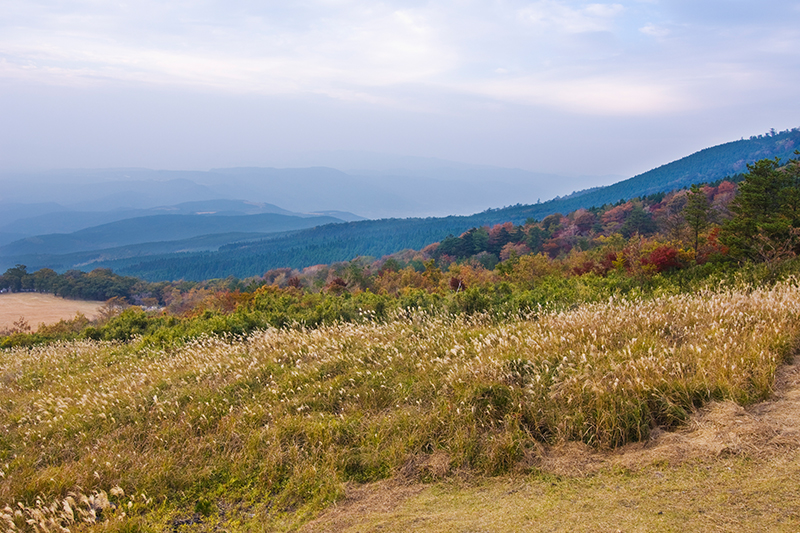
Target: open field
(477, 424)
(39, 308)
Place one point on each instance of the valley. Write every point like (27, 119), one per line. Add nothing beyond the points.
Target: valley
(153, 245)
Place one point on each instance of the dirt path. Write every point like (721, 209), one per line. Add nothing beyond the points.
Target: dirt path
(768, 432)
(720, 429)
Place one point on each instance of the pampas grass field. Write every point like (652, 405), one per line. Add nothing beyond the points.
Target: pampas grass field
(125, 435)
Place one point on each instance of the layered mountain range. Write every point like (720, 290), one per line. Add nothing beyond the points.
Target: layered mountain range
(199, 225)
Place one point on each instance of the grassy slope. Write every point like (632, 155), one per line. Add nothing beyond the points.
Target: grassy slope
(266, 430)
(729, 469)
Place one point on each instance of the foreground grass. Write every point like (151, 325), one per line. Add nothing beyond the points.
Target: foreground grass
(268, 428)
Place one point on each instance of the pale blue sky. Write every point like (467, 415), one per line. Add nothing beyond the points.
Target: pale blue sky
(551, 85)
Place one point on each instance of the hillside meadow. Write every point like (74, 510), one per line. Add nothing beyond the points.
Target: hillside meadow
(263, 431)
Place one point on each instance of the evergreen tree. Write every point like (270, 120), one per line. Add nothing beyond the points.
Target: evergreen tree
(639, 222)
(765, 210)
(15, 279)
(791, 194)
(697, 213)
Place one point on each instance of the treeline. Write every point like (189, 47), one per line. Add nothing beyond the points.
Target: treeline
(102, 284)
(99, 284)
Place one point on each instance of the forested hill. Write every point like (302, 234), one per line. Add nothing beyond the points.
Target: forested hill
(708, 165)
(341, 242)
(323, 244)
(158, 228)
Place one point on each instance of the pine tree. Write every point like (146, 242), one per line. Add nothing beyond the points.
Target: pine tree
(697, 213)
(763, 210)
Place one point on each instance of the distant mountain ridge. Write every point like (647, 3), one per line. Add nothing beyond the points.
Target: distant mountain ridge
(159, 228)
(63, 221)
(253, 254)
(454, 189)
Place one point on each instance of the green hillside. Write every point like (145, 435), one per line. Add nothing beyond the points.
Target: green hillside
(708, 165)
(711, 164)
(324, 244)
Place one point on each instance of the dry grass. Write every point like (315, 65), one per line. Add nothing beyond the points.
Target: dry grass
(277, 424)
(38, 309)
(730, 469)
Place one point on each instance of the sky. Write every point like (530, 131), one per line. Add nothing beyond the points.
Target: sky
(557, 86)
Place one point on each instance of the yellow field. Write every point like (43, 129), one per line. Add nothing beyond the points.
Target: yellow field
(41, 308)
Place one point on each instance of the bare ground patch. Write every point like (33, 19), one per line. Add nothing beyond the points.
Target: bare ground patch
(380, 498)
(38, 308)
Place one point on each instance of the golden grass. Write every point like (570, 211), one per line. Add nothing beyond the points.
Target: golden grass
(38, 308)
(280, 421)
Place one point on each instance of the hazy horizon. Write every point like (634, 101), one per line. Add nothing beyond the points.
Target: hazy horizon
(549, 86)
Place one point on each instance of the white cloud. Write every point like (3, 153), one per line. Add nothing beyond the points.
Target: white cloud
(394, 54)
(559, 16)
(654, 31)
(330, 54)
(590, 94)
